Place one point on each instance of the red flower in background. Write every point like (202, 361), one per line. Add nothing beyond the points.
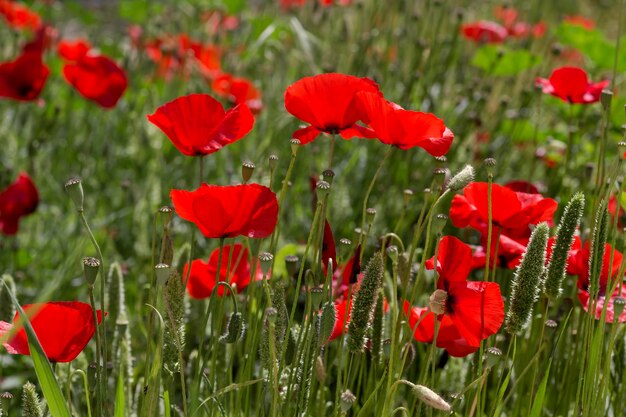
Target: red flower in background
(615, 209)
(63, 329)
(24, 78)
(198, 125)
(202, 276)
(229, 211)
(473, 311)
(19, 16)
(572, 85)
(327, 103)
(238, 90)
(405, 129)
(17, 200)
(580, 21)
(97, 78)
(73, 50)
(484, 32)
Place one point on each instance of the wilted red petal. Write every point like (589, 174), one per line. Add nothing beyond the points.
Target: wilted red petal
(198, 125)
(329, 250)
(97, 78)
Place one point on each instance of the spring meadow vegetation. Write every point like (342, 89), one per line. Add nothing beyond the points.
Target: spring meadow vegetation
(312, 208)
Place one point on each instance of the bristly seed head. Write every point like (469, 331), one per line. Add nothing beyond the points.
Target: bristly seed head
(462, 179)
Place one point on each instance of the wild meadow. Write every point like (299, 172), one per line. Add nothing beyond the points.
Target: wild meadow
(312, 208)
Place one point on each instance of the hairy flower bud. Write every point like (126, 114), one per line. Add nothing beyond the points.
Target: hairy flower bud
(234, 329)
(431, 398)
(31, 407)
(462, 178)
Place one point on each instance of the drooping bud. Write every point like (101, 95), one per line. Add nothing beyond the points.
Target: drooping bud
(347, 399)
(247, 169)
(462, 179)
(562, 244)
(74, 188)
(431, 398)
(162, 272)
(295, 145)
(91, 266)
(526, 281)
(31, 407)
(234, 329)
(364, 302)
(265, 260)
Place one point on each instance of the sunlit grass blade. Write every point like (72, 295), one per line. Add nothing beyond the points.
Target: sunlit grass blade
(541, 393)
(151, 400)
(119, 395)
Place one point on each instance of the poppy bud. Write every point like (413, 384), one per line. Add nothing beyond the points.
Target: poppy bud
(618, 307)
(347, 399)
(74, 188)
(605, 99)
(562, 244)
(265, 259)
(370, 213)
(167, 213)
(91, 266)
(328, 176)
(431, 398)
(327, 321)
(295, 145)
(392, 253)
(317, 294)
(273, 159)
(364, 303)
(462, 179)
(323, 188)
(493, 356)
(247, 169)
(7, 308)
(526, 281)
(408, 195)
(162, 272)
(291, 262)
(234, 329)
(31, 406)
(437, 302)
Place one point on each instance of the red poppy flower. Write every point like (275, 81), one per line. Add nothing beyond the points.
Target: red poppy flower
(572, 85)
(580, 21)
(73, 50)
(484, 32)
(197, 124)
(202, 276)
(343, 309)
(24, 78)
(238, 90)
(17, 200)
(473, 311)
(405, 129)
(578, 264)
(584, 298)
(228, 211)
(615, 209)
(327, 103)
(19, 16)
(97, 78)
(63, 329)
(512, 212)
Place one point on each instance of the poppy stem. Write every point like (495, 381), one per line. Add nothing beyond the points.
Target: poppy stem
(331, 151)
(367, 196)
(99, 393)
(489, 226)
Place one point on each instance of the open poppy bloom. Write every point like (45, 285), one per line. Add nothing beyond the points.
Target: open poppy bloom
(198, 125)
(17, 200)
(63, 328)
(405, 129)
(228, 211)
(19, 16)
(578, 264)
(24, 78)
(572, 85)
(73, 50)
(484, 31)
(238, 90)
(516, 28)
(202, 276)
(468, 312)
(97, 78)
(327, 103)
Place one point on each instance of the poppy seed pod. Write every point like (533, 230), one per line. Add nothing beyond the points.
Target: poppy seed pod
(493, 356)
(265, 260)
(295, 145)
(162, 272)
(437, 302)
(605, 99)
(562, 244)
(618, 307)
(392, 253)
(490, 164)
(347, 399)
(462, 179)
(370, 213)
(247, 169)
(328, 176)
(74, 188)
(526, 281)
(407, 194)
(273, 159)
(551, 324)
(291, 262)
(440, 222)
(323, 188)
(317, 294)
(91, 266)
(431, 398)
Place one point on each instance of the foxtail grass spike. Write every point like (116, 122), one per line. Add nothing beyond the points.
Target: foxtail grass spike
(527, 280)
(562, 244)
(282, 314)
(7, 309)
(364, 303)
(327, 321)
(597, 249)
(462, 179)
(377, 329)
(174, 322)
(31, 407)
(117, 292)
(234, 329)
